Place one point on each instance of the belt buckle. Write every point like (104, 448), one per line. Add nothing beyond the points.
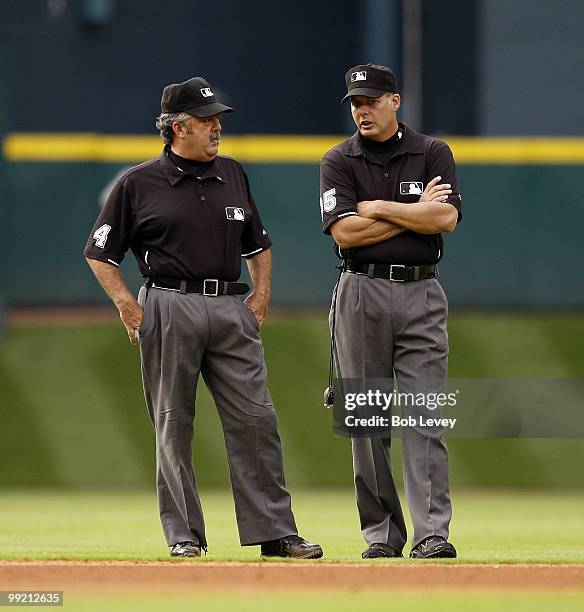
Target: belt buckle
(214, 293)
(396, 280)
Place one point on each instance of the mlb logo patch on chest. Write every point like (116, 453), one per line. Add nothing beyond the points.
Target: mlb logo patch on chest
(234, 214)
(411, 188)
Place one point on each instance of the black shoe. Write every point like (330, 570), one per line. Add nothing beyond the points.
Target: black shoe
(291, 546)
(185, 549)
(378, 550)
(434, 547)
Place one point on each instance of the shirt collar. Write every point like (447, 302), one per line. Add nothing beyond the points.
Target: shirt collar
(412, 143)
(174, 174)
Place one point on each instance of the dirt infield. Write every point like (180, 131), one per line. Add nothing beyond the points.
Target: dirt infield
(188, 576)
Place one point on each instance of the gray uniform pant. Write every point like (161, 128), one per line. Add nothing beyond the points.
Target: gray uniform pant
(385, 328)
(182, 336)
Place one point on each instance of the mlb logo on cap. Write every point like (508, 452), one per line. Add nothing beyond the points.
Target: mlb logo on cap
(372, 80)
(194, 97)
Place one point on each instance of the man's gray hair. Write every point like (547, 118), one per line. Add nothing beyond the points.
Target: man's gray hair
(164, 124)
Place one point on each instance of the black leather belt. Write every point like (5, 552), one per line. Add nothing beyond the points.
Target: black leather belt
(393, 272)
(210, 286)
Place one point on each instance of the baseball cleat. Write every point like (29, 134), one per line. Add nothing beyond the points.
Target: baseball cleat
(185, 549)
(292, 546)
(434, 547)
(379, 550)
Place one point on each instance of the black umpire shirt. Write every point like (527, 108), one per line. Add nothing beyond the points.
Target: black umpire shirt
(352, 172)
(180, 223)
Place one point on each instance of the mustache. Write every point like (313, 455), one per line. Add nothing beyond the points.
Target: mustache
(214, 138)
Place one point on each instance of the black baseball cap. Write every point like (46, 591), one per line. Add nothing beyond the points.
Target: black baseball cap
(370, 80)
(194, 97)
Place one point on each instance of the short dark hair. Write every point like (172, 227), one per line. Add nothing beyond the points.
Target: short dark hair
(164, 123)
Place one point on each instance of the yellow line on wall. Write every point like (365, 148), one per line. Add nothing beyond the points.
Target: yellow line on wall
(272, 149)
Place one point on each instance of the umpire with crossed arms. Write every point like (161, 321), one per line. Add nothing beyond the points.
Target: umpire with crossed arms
(188, 216)
(387, 193)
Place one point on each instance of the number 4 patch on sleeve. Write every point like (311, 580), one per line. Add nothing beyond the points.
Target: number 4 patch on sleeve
(100, 235)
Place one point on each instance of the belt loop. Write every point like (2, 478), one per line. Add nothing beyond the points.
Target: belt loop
(416, 273)
(225, 288)
(371, 271)
(183, 286)
(147, 284)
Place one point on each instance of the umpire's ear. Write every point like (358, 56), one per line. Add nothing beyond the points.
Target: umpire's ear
(181, 129)
(395, 101)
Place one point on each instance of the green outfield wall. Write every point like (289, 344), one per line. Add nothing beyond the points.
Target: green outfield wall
(519, 243)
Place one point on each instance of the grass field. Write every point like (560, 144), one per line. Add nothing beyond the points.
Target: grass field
(488, 526)
(337, 602)
(75, 412)
(74, 426)
(327, 601)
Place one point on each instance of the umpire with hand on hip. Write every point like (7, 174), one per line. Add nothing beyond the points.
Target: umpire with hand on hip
(387, 193)
(188, 216)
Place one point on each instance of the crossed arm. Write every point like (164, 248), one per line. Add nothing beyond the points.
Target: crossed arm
(380, 220)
